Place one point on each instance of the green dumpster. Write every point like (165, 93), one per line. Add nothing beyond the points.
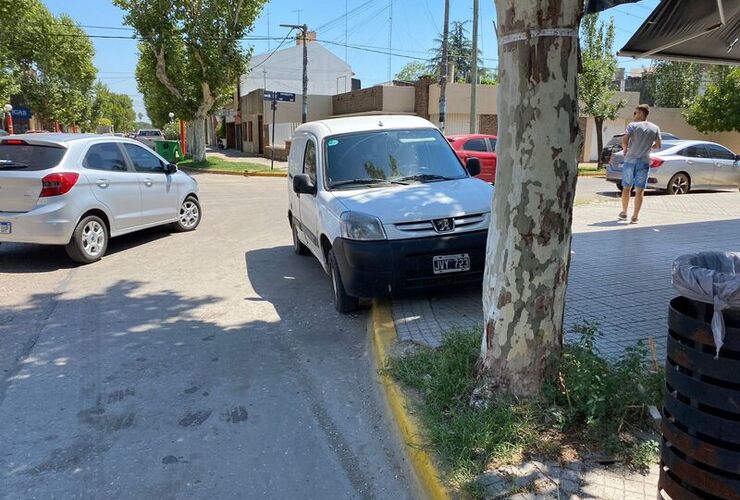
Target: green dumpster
(169, 150)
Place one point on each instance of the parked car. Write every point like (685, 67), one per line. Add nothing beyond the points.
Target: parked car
(79, 190)
(3, 133)
(680, 166)
(147, 136)
(385, 206)
(615, 145)
(479, 146)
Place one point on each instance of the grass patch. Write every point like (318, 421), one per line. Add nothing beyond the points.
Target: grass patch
(596, 404)
(589, 168)
(220, 164)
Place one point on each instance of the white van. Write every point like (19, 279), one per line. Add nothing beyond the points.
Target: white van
(386, 206)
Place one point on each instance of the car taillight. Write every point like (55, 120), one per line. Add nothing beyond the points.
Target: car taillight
(13, 142)
(655, 162)
(58, 184)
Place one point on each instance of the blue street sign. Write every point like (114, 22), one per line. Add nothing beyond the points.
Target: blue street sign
(286, 96)
(268, 95)
(21, 112)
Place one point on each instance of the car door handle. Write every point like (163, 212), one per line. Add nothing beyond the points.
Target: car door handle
(148, 182)
(690, 162)
(103, 183)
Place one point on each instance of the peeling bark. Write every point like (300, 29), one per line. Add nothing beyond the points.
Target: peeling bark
(529, 239)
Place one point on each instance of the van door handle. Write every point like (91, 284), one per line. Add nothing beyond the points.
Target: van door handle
(148, 182)
(103, 183)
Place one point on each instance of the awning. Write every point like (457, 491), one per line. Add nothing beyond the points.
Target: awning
(689, 30)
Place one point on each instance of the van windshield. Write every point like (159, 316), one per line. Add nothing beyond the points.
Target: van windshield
(390, 157)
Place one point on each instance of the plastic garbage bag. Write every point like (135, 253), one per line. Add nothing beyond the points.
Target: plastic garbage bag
(712, 278)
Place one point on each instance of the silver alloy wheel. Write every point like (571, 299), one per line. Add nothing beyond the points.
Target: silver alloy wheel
(679, 184)
(93, 238)
(189, 214)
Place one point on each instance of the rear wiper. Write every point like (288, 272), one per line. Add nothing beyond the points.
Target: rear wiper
(12, 165)
(426, 177)
(366, 181)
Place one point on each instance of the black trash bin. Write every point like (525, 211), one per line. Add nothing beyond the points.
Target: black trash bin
(700, 453)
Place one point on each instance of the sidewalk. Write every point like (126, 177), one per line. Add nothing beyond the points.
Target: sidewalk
(237, 156)
(619, 277)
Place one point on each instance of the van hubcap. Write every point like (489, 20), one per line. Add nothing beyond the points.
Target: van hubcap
(93, 238)
(189, 214)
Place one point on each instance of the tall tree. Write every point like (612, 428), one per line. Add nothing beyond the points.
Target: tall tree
(117, 108)
(460, 50)
(529, 238)
(595, 81)
(674, 84)
(193, 49)
(718, 110)
(51, 57)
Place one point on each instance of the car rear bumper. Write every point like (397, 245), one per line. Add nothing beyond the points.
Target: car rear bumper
(382, 268)
(49, 224)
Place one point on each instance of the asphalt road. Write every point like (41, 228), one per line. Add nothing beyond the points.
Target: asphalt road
(202, 365)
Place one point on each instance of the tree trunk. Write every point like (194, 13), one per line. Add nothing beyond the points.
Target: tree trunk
(199, 139)
(529, 237)
(599, 139)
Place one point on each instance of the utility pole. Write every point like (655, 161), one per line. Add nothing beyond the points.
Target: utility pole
(474, 74)
(304, 100)
(390, 36)
(264, 78)
(443, 77)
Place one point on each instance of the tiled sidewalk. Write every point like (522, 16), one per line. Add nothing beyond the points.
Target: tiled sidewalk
(620, 273)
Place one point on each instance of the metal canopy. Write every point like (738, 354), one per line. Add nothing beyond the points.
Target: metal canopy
(689, 30)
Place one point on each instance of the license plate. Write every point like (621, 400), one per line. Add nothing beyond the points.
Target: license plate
(458, 263)
(5, 227)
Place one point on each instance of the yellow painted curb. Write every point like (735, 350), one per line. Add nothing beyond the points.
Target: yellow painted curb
(243, 173)
(384, 334)
(266, 174)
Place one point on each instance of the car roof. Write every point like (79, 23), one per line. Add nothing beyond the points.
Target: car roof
(457, 137)
(64, 139)
(368, 123)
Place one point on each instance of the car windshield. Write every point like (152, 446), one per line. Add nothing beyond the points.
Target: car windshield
(28, 157)
(150, 133)
(390, 157)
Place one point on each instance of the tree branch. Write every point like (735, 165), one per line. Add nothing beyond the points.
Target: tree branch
(161, 73)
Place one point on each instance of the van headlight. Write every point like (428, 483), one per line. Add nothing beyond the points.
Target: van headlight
(361, 227)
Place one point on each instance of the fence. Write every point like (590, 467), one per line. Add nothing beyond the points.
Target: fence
(283, 132)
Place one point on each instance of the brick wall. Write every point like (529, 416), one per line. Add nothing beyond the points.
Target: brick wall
(488, 124)
(421, 97)
(358, 101)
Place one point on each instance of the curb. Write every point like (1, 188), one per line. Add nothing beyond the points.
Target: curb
(384, 334)
(244, 173)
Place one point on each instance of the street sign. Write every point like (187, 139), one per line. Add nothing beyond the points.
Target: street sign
(285, 96)
(269, 95)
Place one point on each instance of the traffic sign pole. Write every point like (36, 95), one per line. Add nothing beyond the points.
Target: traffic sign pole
(272, 145)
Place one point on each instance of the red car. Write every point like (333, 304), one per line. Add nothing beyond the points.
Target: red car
(479, 146)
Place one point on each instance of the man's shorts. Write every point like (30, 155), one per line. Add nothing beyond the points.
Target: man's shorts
(635, 173)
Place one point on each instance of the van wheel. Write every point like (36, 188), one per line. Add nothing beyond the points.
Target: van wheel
(343, 302)
(298, 247)
(89, 240)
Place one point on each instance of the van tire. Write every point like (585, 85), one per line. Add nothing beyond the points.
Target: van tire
(89, 240)
(343, 302)
(298, 247)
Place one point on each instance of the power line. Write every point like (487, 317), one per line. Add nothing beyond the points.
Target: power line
(273, 52)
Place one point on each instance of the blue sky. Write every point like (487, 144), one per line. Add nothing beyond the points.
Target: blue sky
(416, 23)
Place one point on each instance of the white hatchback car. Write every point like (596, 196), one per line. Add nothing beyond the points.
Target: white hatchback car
(79, 190)
(385, 205)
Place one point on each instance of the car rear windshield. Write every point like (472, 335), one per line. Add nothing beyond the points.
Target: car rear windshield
(419, 155)
(150, 133)
(28, 157)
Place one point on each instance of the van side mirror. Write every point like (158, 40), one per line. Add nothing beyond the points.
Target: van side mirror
(302, 184)
(473, 166)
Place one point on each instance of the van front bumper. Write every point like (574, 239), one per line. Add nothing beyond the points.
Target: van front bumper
(389, 267)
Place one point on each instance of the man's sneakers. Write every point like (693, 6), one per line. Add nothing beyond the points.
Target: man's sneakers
(634, 220)
(622, 216)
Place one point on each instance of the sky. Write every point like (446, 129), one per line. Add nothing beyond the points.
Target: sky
(415, 25)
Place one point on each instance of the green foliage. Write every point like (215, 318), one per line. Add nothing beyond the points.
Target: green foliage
(596, 401)
(190, 55)
(413, 71)
(171, 131)
(459, 53)
(116, 108)
(47, 59)
(718, 110)
(599, 65)
(674, 84)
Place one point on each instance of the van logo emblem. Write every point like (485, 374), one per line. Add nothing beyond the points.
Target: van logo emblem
(444, 225)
